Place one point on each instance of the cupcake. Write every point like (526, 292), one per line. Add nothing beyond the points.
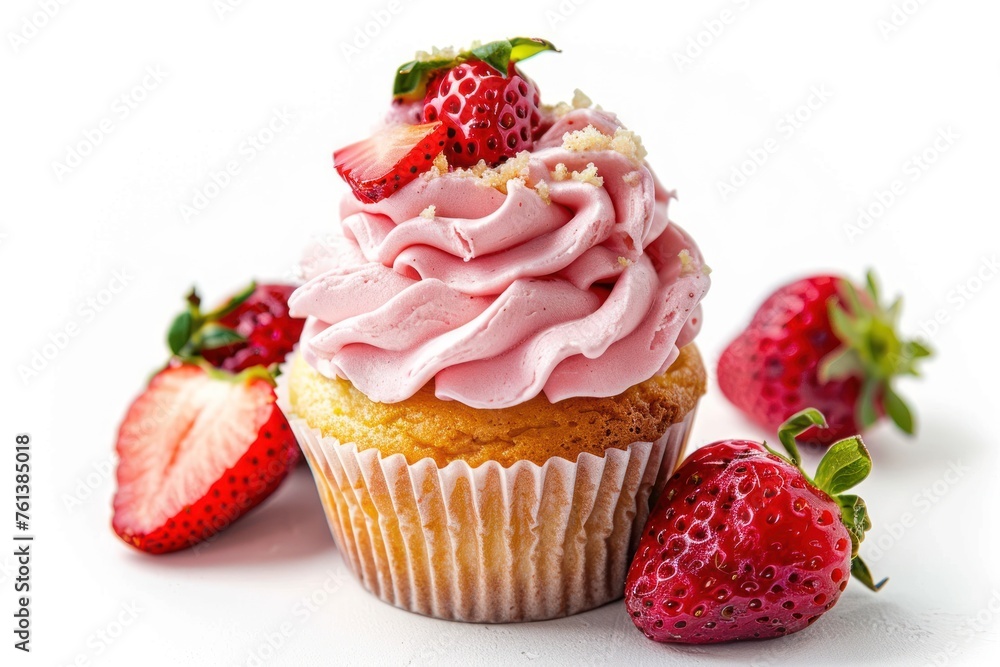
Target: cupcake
(497, 373)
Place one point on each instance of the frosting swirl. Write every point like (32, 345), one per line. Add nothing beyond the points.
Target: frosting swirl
(562, 280)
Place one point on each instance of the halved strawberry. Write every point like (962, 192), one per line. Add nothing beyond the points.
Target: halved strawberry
(381, 164)
(197, 450)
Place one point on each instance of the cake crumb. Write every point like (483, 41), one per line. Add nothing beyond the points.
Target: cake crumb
(632, 178)
(560, 173)
(429, 212)
(542, 188)
(447, 53)
(687, 262)
(629, 144)
(498, 177)
(580, 99)
(587, 139)
(625, 262)
(622, 141)
(438, 168)
(589, 175)
(706, 269)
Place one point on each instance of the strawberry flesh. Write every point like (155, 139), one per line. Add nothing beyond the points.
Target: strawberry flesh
(196, 452)
(378, 166)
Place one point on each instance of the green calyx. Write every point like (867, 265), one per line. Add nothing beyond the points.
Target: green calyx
(192, 331)
(845, 464)
(246, 376)
(873, 350)
(412, 77)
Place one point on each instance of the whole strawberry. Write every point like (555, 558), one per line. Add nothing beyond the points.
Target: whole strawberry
(488, 107)
(252, 328)
(821, 342)
(742, 544)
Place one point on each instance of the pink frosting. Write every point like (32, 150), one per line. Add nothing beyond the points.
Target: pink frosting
(503, 296)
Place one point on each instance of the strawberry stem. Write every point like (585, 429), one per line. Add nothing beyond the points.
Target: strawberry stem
(860, 571)
(233, 303)
(793, 427)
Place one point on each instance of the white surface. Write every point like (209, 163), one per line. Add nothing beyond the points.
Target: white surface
(63, 241)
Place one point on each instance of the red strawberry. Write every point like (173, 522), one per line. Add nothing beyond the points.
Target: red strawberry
(489, 115)
(820, 342)
(197, 450)
(252, 328)
(742, 544)
(381, 164)
(490, 110)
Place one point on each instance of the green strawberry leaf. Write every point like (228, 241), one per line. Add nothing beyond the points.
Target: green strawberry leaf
(843, 326)
(233, 303)
(523, 48)
(866, 412)
(854, 513)
(840, 364)
(192, 331)
(844, 465)
(180, 332)
(870, 332)
(214, 335)
(860, 571)
(411, 79)
(872, 284)
(894, 311)
(494, 54)
(849, 293)
(898, 411)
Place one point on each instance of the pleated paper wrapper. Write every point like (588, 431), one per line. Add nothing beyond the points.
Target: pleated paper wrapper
(488, 544)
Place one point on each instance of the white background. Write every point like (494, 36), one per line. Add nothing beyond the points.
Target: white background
(889, 90)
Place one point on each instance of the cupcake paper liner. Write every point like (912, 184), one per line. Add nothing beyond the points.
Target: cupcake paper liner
(488, 544)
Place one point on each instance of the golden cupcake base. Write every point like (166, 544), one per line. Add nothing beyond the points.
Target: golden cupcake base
(492, 541)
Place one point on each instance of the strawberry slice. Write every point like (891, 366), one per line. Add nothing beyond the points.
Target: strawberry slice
(381, 164)
(197, 450)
